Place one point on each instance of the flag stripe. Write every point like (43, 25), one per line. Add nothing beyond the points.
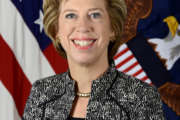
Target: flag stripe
(137, 72)
(130, 67)
(7, 103)
(141, 75)
(144, 78)
(121, 53)
(126, 65)
(135, 69)
(124, 56)
(13, 77)
(124, 61)
(148, 81)
(121, 48)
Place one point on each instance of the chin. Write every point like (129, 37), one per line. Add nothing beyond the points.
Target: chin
(85, 61)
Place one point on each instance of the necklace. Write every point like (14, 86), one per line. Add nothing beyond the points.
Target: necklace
(83, 94)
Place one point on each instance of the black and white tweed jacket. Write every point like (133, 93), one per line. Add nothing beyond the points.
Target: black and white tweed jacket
(114, 96)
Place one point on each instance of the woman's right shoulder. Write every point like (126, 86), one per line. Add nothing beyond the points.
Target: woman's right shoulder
(44, 89)
(49, 81)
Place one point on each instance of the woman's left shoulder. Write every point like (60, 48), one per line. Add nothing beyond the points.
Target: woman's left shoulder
(131, 84)
(139, 98)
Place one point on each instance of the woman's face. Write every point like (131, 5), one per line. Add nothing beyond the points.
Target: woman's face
(84, 30)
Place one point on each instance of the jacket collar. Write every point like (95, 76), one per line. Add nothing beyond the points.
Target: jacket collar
(100, 85)
(59, 85)
(62, 92)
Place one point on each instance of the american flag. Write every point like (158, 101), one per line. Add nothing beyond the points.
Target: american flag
(27, 55)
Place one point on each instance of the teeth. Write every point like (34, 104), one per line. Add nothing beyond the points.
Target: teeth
(83, 42)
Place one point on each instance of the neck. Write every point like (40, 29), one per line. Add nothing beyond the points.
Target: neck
(85, 74)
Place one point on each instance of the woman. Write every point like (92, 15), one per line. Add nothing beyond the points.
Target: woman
(87, 33)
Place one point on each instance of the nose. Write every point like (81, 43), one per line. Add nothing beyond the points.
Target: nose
(83, 25)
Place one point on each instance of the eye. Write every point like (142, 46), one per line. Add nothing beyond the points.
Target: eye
(70, 16)
(95, 15)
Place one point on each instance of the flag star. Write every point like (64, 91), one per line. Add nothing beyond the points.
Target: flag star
(39, 21)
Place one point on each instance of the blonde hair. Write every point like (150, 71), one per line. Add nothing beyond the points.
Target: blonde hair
(117, 12)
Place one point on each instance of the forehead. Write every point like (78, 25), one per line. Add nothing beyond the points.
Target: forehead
(82, 4)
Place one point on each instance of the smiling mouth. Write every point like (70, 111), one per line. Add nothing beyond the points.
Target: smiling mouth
(83, 43)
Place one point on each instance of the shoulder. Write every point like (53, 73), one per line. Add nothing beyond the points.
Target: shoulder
(49, 81)
(54, 79)
(131, 83)
(126, 85)
(44, 89)
(139, 98)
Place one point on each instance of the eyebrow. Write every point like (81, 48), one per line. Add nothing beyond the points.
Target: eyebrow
(91, 9)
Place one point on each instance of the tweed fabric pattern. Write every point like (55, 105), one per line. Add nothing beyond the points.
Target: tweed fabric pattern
(114, 96)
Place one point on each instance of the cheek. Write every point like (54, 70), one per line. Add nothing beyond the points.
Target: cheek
(62, 29)
(63, 32)
(64, 35)
(105, 33)
(66, 32)
(105, 28)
